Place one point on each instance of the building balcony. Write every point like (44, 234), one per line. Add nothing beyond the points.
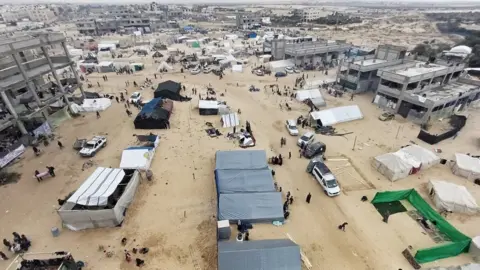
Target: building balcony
(393, 92)
(27, 42)
(348, 78)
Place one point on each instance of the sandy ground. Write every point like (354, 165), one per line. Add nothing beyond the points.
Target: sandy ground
(175, 214)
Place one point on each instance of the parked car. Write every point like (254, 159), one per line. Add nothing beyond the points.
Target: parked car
(326, 179)
(296, 70)
(314, 149)
(195, 71)
(93, 146)
(280, 74)
(135, 97)
(386, 116)
(289, 69)
(291, 126)
(258, 72)
(306, 138)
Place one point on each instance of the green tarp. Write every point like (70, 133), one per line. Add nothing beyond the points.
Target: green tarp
(460, 242)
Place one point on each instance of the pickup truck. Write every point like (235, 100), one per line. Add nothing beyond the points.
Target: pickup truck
(92, 146)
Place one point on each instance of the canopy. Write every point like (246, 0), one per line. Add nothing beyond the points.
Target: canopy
(452, 197)
(230, 120)
(302, 95)
(208, 107)
(92, 105)
(426, 157)
(235, 181)
(98, 187)
(279, 254)
(137, 158)
(466, 166)
(163, 65)
(277, 66)
(154, 114)
(251, 207)
(392, 166)
(241, 159)
(337, 115)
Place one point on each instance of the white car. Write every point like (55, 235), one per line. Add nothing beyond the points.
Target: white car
(135, 97)
(93, 146)
(296, 70)
(207, 70)
(291, 126)
(259, 72)
(306, 138)
(289, 69)
(326, 179)
(195, 71)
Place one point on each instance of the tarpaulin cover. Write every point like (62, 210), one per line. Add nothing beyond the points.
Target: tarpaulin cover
(235, 181)
(230, 120)
(426, 157)
(466, 166)
(279, 254)
(251, 207)
(241, 159)
(138, 158)
(337, 115)
(451, 197)
(460, 242)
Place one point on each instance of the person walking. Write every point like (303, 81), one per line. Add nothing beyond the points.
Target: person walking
(309, 197)
(98, 115)
(39, 178)
(51, 170)
(60, 144)
(351, 97)
(342, 226)
(289, 155)
(291, 199)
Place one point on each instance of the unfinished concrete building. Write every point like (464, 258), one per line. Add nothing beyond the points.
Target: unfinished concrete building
(305, 51)
(423, 91)
(359, 74)
(30, 87)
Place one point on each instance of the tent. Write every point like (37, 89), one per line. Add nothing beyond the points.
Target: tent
(230, 120)
(392, 166)
(137, 157)
(241, 159)
(302, 95)
(336, 115)
(105, 66)
(459, 242)
(244, 181)
(237, 68)
(91, 105)
(163, 66)
(208, 107)
(278, 254)
(101, 201)
(279, 66)
(250, 207)
(451, 197)
(466, 166)
(426, 157)
(168, 89)
(475, 249)
(154, 115)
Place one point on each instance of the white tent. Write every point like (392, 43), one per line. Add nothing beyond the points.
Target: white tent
(426, 157)
(466, 166)
(451, 197)
(138, 158)
(475, 249)
(392, 166)
(92, 105)
(280, 65)
(163, 65)
(302, 95)
(336, 115)
(101, 200)
(237, 68)
(230, 120)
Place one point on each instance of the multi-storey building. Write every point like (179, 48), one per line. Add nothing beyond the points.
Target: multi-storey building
(247, 20)
(310, 14)
(25, 93)
(42, 14)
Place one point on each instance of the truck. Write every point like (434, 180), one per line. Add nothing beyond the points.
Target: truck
(92, 146)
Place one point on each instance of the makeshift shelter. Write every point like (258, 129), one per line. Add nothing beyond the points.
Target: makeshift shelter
(163, 66)
(230, 120)
(475, 249)
(101, 201)
(278, 254)
(426, 157)
(154, 114)
(466, 166)
(250, 207)
(105, 66)
(137, 66)
(169, 89)
(451, 197)
(392, 166)
(459, 242)
(336, 115)
(312, 94)
(241, 159)
(137, 157)
(91, 105)
(279, 66)
(208, 107)
(157, 55)
(244, 181)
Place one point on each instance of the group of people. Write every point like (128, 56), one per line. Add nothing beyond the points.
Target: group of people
(20, 244)
(283, 141)
(288, 201)
(277, 160)
(51, 172)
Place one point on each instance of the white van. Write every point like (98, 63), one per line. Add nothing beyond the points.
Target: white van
(291, 126)
(326, 179)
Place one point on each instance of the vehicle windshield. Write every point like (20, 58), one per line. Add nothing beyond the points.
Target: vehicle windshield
(90, 145)
(292, 127)
(304, 138)
(135, 95)
(332, 183)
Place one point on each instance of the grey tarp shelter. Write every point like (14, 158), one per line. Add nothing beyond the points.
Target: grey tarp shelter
(279, 254)
(101, 201)
(241, 159)
(244, 181)
(251, 207)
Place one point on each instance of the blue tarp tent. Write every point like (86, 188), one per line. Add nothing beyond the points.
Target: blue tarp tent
(244, 181)
(241, 159)
(252, 35)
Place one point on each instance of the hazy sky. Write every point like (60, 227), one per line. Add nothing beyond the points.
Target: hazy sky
(239, 2)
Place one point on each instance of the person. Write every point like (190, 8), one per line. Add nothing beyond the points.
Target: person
(98, 83)
(3, 256)
(291, 200)
(39, 178)
(139, 262)
(24, 243)
(116, 98)
(351, 97)
(51, 170)
(128, 257)
(16, 237)
(309, 197)
(280, 160)
(35, 150)
(98, 115)
(288, 195)
(289, 155)
(129, 113)
(7, 243)
(286, 214)
(60, 144)
(247, 236)
(285, 206)
(342, 226)
(281, 142)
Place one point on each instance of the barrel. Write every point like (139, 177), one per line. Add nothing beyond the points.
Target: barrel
(55, 232)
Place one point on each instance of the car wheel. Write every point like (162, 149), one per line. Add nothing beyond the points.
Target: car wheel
(324, 191)
(93, 154)
(105, 144)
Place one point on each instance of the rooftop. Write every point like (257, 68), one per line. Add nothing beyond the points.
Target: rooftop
(369, 62)
(419, 69)
(448, 91)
